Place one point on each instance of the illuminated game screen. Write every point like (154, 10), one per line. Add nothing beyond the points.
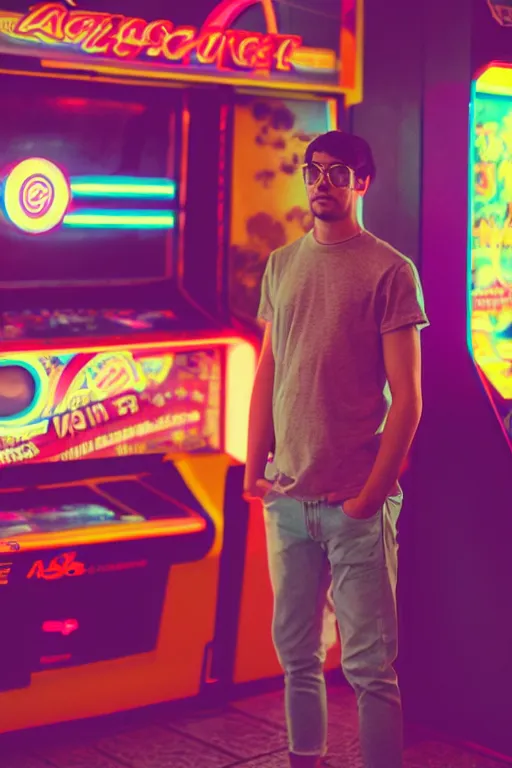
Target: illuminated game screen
(65, 406)
(86, 187)
(269, 206)
(491, 250)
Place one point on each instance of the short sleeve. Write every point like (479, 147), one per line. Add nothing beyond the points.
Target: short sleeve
(266, 307)
(401, 302)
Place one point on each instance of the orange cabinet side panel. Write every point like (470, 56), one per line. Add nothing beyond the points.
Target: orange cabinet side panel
(173, 670)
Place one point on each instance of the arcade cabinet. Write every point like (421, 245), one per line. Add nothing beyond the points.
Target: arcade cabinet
(490, 307)
(457, 622)
(123, 408)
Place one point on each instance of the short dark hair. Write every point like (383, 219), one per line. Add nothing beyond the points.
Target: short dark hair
(347, 148)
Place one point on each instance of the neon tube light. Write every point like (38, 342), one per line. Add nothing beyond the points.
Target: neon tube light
(240, 372)
(36, 195)
(112, 219)
(123, 187)
(126, 38)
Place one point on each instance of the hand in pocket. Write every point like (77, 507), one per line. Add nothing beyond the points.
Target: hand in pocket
(358, 510)
(258, 490)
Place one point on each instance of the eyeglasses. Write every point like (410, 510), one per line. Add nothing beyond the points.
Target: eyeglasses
(338, 174)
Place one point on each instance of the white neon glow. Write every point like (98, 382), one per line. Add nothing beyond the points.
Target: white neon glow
(240, 372)
(36, 196)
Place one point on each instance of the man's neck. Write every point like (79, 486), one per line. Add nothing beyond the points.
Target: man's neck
(331, 232)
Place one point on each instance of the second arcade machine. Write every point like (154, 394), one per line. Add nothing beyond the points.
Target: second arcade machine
(458, 613)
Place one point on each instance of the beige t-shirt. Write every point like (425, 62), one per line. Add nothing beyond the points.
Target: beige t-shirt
(329, 306)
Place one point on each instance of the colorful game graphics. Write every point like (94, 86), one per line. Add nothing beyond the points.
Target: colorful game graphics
(491, 250)
(66, 406)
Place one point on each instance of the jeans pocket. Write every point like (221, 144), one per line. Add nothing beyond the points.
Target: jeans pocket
(359, 520)
(271, 496)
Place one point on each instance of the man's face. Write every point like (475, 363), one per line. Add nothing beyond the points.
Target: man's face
(327, 202)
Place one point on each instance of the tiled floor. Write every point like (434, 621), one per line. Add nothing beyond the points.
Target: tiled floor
(248, 733)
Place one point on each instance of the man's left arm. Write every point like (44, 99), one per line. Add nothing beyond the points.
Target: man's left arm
(402, 361)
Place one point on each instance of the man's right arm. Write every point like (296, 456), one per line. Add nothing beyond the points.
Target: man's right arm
(261, 426)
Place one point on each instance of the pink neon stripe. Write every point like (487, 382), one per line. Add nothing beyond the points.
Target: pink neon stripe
(224, 14)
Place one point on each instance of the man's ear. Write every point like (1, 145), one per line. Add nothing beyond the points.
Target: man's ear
(362, 186)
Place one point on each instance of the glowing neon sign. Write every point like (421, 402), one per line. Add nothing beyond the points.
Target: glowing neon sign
(63, 35)
(131, 187)
(129, 219)
(127, 38)
(37, 198)
(36, 195)
(59, 567)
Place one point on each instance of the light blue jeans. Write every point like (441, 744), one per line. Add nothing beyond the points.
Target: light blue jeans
(312, 545)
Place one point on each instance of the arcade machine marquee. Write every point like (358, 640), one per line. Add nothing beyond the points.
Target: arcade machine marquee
(490, 326)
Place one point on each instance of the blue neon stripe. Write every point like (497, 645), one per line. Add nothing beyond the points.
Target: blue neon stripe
(471, 202)
(120, 219)
(133, 187)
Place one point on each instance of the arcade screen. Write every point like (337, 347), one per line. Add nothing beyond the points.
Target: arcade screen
(66, 406)
(269, 207)
(87, 187)
(491, 246)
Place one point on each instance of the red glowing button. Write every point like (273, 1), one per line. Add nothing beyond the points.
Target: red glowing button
(66, 627)
(36, 195)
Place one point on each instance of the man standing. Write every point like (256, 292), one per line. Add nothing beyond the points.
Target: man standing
(338, 385)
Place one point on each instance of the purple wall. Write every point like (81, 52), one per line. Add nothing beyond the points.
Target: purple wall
(390, 119)
(456, 529)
